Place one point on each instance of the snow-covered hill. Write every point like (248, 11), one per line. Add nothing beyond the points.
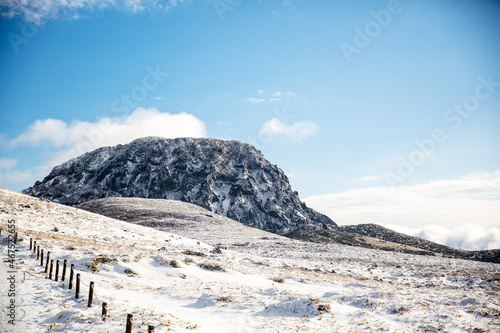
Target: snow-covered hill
(230, 178)
(273, 284)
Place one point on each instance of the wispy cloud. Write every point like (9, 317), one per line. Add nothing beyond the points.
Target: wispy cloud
(450, 204)
(274, 129)
(255, 100)
(369, 178)
(9, 176)
(273, 96)
(7, 163)
(79, 137)
(37, 11)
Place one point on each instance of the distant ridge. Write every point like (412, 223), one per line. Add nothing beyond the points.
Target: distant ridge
(363, 235)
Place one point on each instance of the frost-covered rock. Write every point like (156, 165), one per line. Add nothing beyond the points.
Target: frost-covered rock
(230, 178)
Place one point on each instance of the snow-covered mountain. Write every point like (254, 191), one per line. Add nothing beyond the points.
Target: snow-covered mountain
(230, 178)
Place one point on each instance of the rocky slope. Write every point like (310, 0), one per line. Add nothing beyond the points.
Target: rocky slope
(230, 178)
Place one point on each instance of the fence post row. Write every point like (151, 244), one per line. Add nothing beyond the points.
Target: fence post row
(40, 255)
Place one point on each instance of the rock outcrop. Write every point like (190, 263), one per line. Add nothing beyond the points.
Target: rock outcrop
(230, 178)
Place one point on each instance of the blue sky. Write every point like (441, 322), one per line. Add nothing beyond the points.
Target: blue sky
(350, 98)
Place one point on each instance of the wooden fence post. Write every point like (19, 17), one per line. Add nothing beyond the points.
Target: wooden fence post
(31, 243)
(57, 270)
(71, 273)
(34, 247)
(38, 252)
(77, 288)
(15, 238)
(64, 269)
(50, 271)
(104, 312)
(47, 263)
(151, 329)
(91, 294)
(128, 329)
(41, 260)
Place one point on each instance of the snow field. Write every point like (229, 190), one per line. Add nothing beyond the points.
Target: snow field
(270, 284)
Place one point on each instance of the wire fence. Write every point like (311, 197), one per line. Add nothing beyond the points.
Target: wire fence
(74, 281)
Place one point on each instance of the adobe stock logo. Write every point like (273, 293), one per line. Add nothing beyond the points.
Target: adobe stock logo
(222, 6)
(454, 116)
(28, 32)
(363, 37)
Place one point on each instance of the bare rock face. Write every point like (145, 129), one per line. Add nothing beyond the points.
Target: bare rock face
(230, 178)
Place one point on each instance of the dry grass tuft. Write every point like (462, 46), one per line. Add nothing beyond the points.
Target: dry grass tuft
(101, 259)
(130, 272)
(212, 267)
(194, 253)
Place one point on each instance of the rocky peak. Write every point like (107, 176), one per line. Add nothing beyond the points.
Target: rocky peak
(230, 178)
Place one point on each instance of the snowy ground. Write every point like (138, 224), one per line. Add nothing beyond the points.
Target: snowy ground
(270, 284)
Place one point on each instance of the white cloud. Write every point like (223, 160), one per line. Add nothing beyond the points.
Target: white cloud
(271, 96)
(8, 176)
(455, 205)
(37, 11)
(14, 176)
(255, 100)
(275, 129)
(7, 163)
(465, 236)
(79, 137)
